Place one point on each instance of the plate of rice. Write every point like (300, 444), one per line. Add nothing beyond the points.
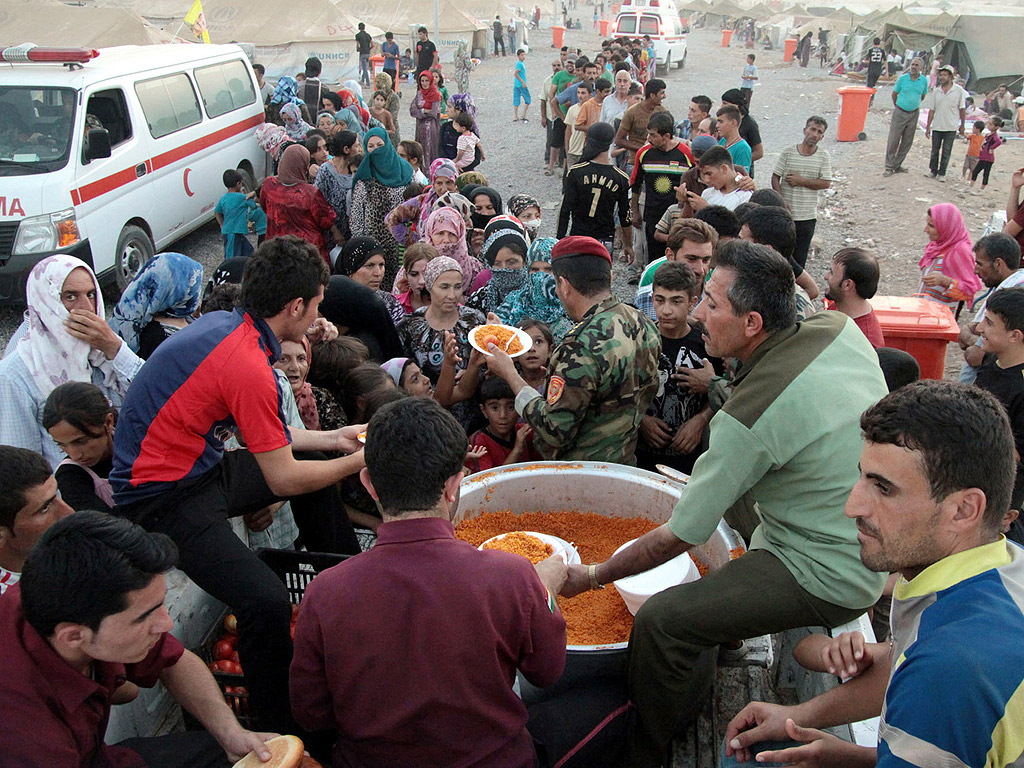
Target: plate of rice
(514, 341)
(532, 545)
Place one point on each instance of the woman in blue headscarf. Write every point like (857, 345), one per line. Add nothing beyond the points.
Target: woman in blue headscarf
(537, 299)
(378, 186)
(353, 122)
(161, 299)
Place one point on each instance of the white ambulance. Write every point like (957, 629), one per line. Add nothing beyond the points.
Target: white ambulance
(660, 20)
(111, 155)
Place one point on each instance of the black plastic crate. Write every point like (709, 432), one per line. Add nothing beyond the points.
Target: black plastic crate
(296, 570)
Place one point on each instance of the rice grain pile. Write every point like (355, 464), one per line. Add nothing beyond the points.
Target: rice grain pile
(592, 618)
(506, 339)
(519, 543)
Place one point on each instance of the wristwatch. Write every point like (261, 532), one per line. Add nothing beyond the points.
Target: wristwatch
(592, 572)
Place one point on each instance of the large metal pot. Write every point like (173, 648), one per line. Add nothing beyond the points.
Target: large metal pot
(589, 486)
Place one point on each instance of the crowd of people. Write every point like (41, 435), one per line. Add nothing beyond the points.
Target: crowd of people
(326, 388)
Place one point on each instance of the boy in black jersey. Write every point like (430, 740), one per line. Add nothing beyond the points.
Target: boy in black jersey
(594, 189)
(672, 429)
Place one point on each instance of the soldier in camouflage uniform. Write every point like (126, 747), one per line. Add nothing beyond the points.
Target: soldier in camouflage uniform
(603, 375)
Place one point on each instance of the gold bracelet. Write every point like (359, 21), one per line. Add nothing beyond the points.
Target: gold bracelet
(592, 572)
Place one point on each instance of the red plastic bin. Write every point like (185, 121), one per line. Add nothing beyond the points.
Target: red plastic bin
(918, 326)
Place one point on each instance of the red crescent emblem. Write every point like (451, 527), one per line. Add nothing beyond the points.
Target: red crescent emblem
(184, 179)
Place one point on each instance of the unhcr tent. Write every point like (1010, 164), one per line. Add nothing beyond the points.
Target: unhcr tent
(48, 22)
(987, 49)
(457, 20)
(719, 13)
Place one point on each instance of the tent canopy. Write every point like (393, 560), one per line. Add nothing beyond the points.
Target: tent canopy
(48, 22)
(987, 48)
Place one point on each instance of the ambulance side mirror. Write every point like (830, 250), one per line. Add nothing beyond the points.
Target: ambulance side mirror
(97, 144)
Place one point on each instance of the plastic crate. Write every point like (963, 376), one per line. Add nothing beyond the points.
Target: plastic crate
(296, 570)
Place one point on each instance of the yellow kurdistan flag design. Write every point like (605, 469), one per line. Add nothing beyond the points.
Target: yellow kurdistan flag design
(196, 18)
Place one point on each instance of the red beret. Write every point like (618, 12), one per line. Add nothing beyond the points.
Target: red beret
(578, 245)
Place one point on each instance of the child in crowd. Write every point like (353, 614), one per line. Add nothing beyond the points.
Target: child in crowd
(408, 377)
(717, 171)
(233, 212)
(672, 428)
(533, 366)
(973, 148)
(505, 441)
(1002, 372)
(405, 63)
(520, 91)
(468, 142)
(749, 78)
(986, 156)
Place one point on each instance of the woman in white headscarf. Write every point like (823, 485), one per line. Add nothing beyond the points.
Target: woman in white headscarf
(64, 338)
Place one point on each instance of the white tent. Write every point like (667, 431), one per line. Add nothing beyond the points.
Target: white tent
(48, 22)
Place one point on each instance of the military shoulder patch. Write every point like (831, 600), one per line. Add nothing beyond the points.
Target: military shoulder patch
(555, 387)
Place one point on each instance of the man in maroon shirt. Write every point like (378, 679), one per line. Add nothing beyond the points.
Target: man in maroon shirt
(409, 651)
(853, 279)
(87, 618)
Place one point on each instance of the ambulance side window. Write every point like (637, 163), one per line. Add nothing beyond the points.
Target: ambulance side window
(108, 109)
(225, 87)
(169, 104)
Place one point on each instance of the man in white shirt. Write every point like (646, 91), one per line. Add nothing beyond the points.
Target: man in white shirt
(616, 102)
(29, 505)
(947, 107)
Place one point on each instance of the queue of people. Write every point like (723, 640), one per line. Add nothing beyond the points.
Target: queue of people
(277, 391)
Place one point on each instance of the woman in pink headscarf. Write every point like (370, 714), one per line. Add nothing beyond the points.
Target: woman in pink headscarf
(446, 230)
(947, 267)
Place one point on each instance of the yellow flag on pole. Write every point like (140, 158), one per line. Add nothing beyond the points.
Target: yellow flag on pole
(196, 18)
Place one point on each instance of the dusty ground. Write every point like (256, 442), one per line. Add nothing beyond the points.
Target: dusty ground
(861, 208)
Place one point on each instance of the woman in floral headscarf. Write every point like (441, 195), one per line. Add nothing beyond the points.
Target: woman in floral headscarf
(445, 229)
(161, 299)
(378, 186)
(294, 125)
(449, 137)
(63, 338)
(408, 220)
(426, 108)
(537, 299)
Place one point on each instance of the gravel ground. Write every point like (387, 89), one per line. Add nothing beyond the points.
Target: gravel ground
(862, 207)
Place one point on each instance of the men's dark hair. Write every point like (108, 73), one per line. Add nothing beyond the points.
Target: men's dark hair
(817, 120)
(730, 111)
(223, 298)
(703, 102)
(602, 84)
(1008, 305)
(724, 221)
(620, 66)
(712, 157)
(231, 178)
(899, 368)
(587, 274)
(313, 66)
(938, 419)
(979, 124)
(772, 226)
(465, 120)
(861, 267)
(494, 388)
(878, 41)
(82, 569)
(590, 64)
(423, 30)
(583, 85)
(389, 35)
(81, 404)
(676, 276)
(767, 196)
(23, 469)
(433, 448)
(743, 209)
(581, 62)
(282, 269)
(634, 89)
(661, 122)
(259, 68)
(763, 283)
(361, 26)
(999, 245)
(654, 87)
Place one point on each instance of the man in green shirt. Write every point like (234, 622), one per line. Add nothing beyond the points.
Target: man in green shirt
(907, 94)
(780, 441)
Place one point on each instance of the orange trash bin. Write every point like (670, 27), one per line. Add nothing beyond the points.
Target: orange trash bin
(726, 37)
(854, 101)
(919, 327)
(377, 65)
(557, 36)
(790, 48)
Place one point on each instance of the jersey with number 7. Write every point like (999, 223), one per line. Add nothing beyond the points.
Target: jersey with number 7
(592, 191)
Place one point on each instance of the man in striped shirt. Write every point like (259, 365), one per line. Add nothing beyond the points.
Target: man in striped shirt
(799, 173)
(949, 686)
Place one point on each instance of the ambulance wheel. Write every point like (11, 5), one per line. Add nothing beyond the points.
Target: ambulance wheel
(682, 62)
(134, 248)
(248, 182)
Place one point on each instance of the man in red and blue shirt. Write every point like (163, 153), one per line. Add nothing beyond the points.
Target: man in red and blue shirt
(172, 475)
